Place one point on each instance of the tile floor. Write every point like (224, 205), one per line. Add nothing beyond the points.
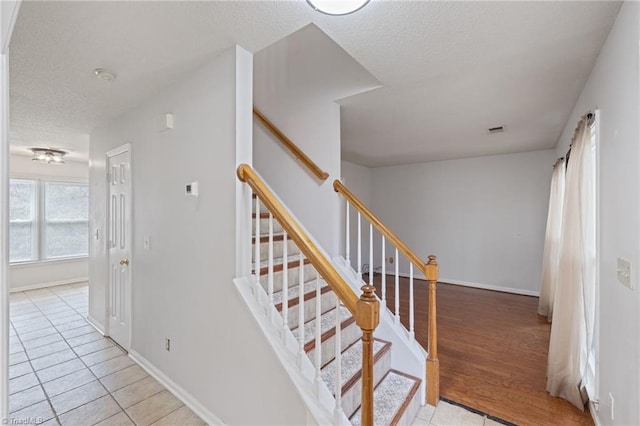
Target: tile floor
(446, 414)
(63, 372)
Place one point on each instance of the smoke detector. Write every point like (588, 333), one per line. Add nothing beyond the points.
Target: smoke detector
(104, 74)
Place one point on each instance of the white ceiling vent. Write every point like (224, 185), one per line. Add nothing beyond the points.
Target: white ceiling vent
(497, 129)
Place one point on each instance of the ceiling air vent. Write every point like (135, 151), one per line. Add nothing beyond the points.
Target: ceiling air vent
(498, 129)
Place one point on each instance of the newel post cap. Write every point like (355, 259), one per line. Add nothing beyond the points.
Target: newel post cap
(431, 269)
(368, 309)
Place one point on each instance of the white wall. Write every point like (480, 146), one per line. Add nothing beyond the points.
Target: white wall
(297, 81)
(357, 179)
(613, 88)
(483, 217)
(182, 286)
(315, 127)
(40, 274)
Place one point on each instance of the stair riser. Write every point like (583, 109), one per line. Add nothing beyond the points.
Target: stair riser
(349, 335)
(264, 227)
(327, 302)
(292, 274)
(352, 398)
(277, 250)
(410, 412)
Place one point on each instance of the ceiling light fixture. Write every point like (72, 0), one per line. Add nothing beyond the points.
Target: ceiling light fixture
(337, 7)
(48, 155)
(104, 75)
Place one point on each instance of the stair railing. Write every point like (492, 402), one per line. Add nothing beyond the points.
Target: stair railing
(428, 268)
(288, 143)
(365, 309)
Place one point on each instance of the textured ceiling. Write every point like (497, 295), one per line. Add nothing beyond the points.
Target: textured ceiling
(451, 70)
(448, 70)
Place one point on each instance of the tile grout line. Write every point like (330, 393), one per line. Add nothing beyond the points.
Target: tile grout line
(71, 348)
(88, 368)
(92, 373)
(55, 414)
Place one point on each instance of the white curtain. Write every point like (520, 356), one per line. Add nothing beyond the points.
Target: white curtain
(571, 341)
(550, 259)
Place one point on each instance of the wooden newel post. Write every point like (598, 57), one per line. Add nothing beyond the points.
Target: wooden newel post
(367, 318)
(433, 366)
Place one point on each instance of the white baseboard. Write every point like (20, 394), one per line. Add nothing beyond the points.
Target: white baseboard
(491, 287)
(420, 276)
(175, 389)
(594, 414)
(96, 324)
(50, 284)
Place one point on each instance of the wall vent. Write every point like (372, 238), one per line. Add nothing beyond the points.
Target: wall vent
(497, 129)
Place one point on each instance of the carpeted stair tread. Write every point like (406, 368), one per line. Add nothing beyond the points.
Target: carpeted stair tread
(351, 364)
(389, 397)
(327, 322)
(280, 260)
(309, 288)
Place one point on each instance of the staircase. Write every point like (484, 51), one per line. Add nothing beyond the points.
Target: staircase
(311, 310)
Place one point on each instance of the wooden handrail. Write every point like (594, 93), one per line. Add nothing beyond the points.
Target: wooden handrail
(348, 298)
(365, 309)
(381, 227)
(430, 270)
(297, 152)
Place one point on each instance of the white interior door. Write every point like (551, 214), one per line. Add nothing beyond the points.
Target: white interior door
(119, 232)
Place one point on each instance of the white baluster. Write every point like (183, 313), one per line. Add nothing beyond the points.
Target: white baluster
(411, 331)
(383, 278)
(285, 286)
(318, 350)
(347, 237)
(397, 295)
(270, 266)
(338, 361)
(370, 254)
(359, 267)
(256, 265)
(301, 353)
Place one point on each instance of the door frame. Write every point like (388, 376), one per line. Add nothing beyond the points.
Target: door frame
(121, 149)
(7, 24)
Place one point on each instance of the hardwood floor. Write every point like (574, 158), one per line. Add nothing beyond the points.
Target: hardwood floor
(492, 350)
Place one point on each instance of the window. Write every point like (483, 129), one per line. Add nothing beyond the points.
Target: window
(22, 221)
(48, 220)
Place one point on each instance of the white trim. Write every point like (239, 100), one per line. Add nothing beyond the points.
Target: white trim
(117, 151)
(593, 410)
(49, 284)
(95, 324)
(55, 260)
(12, 24)
(176, 389)
(48, 178)
(519, 291)
(4, 232)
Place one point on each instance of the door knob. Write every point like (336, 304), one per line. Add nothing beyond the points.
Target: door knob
(124, 262)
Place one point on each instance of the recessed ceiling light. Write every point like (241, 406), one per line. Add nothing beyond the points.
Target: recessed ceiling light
(104, 75)
(337, 7)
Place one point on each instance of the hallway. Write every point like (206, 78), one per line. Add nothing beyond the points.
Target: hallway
(63, 372)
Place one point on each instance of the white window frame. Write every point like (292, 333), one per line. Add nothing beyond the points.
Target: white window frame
(40, 221)
(35, 241)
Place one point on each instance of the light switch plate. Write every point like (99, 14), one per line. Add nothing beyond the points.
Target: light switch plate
(624, 272)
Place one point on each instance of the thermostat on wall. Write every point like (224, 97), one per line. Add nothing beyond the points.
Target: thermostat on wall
(191, 189)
